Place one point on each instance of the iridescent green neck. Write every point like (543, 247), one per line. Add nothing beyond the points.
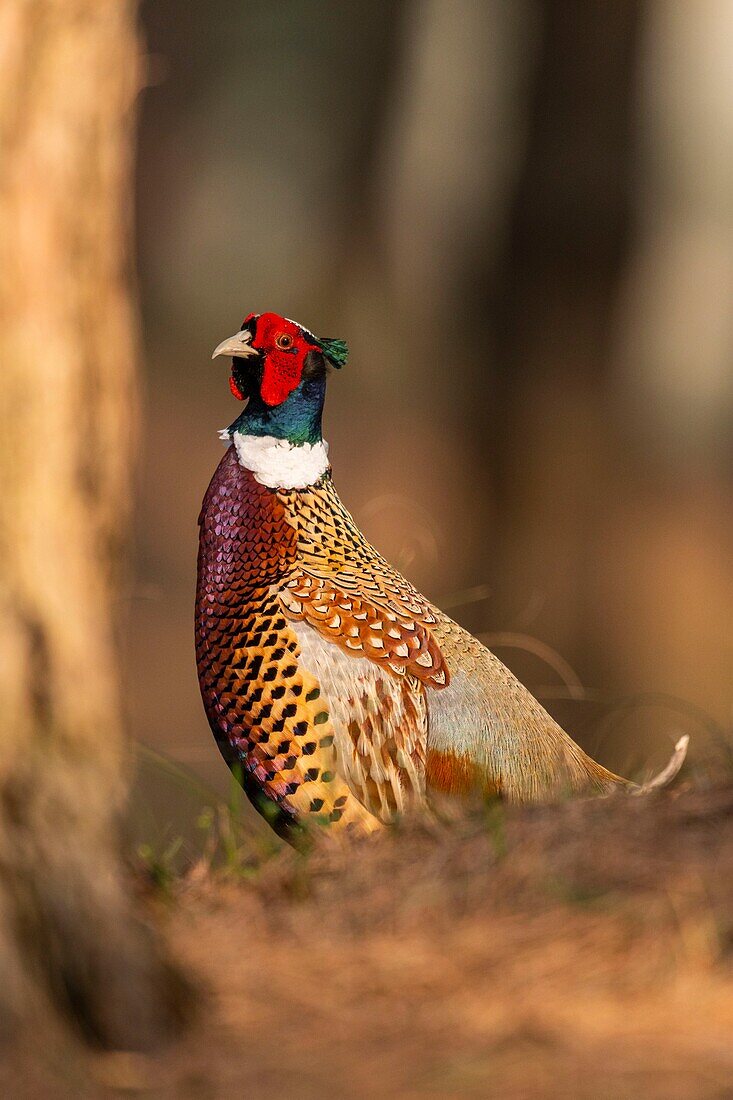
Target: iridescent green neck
(297, 419)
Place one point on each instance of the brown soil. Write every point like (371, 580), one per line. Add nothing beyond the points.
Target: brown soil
(584, 950)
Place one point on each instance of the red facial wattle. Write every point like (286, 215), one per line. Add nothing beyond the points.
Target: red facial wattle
(282, 365)
(281, 374)
(236, 392)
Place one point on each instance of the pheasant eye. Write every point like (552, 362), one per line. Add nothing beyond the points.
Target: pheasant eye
(284, 341)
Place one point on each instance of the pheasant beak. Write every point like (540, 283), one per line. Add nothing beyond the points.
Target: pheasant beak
(238, 346)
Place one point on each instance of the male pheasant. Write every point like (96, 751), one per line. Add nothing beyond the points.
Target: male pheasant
(338, 692)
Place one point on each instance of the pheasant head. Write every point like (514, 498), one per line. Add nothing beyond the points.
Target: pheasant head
(279, 367)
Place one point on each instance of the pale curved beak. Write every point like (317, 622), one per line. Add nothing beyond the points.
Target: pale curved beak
(238, 345)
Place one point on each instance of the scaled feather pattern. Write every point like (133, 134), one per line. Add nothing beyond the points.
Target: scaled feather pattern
(340, 693)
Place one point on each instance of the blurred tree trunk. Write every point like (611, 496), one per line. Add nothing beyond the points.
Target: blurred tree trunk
(69, 75)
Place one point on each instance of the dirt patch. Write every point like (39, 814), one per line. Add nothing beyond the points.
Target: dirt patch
(584, 950)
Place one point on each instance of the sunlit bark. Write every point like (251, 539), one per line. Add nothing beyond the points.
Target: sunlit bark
(69, 75)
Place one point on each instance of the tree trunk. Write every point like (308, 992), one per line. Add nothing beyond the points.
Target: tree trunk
(69, 75)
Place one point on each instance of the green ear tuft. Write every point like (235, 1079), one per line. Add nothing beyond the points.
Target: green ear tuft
(335, 351)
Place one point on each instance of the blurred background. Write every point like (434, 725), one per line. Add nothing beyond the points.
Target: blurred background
(520, 215)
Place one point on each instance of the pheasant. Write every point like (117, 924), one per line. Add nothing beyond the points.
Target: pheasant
(338, 693)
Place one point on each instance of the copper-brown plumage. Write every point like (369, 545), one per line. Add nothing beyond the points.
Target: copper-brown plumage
(265, 709)
(342, 694)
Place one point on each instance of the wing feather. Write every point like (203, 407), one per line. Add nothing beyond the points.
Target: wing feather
(354, 598)
(379, 723)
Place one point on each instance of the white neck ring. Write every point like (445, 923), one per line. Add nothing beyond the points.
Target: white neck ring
(279, 464)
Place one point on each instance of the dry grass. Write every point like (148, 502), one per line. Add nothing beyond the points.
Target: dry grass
(583, 950)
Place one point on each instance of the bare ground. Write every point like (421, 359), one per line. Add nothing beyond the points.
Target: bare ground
(584, 950)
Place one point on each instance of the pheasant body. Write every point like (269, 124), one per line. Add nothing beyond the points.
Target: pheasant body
(265, 709)
(340, 692)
